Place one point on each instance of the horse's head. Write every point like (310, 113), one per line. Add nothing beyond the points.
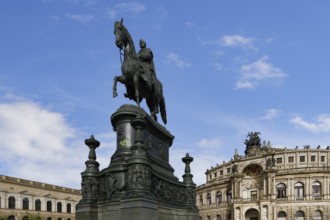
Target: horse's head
(120, 33)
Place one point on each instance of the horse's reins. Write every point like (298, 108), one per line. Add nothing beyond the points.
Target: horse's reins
(123, 54)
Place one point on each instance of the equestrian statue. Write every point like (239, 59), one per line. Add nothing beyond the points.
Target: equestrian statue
(138, 73)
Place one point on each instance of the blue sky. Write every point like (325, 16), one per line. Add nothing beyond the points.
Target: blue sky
(228, 68)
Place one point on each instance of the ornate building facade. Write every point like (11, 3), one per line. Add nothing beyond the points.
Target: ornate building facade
(22, 199)
(268, 184)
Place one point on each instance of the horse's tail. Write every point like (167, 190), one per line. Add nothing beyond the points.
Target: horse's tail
(162, 107)
(159, 99)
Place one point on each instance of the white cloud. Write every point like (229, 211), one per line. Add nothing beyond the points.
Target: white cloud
(261, 69)
(233, 41)
(54, 18)
(128, 7)
(218, 66)
(133, 7)
(176, 59)
(40, 144)
(206, 153)
(217, 53)
(83, 18)
(245, 85)
(322, 123)
(161, 11)
(270, 39)
(112, 13)
(33, 135)
(258, 72)
(203, 160)
(236, 41)
(121, 8)
(86, 3)
(271, 114)
(189, 24)
(206, 143)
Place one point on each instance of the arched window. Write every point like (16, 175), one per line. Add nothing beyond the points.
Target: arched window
(281, 190)
(68, 208)
(317, 215)
(208, 198)
(299, 190)
(26, 203)
(316, 187)
(59, 207)
(252, 170)
(219, 197)
(208, 218)
(11, 202)
(25, 218)
(59, 219)
(37, 205)
(281, 215)
(229, 196)
(49, 206)
(11, 217)
(300, 215)
(218, 217)
(49, 218)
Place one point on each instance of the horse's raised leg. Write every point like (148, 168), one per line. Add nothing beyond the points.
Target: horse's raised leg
(121, 79)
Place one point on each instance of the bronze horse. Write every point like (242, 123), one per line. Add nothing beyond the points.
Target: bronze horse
(131, 76)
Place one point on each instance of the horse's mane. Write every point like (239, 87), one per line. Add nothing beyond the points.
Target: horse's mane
(127, 34)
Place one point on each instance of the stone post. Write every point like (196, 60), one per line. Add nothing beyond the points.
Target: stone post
(190, 185)
(92, 166)
(89, 184)
(187, 177)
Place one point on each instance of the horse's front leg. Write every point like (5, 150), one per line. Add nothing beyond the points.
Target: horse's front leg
(121, 79)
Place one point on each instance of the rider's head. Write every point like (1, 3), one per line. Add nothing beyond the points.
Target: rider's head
(142, 44)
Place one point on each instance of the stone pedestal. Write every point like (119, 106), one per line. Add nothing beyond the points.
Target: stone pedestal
(139, 182)
(139, 209)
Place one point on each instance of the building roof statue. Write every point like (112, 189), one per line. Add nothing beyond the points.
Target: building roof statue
(253, 143)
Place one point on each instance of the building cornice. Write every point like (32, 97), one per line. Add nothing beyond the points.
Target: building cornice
(39, 185)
